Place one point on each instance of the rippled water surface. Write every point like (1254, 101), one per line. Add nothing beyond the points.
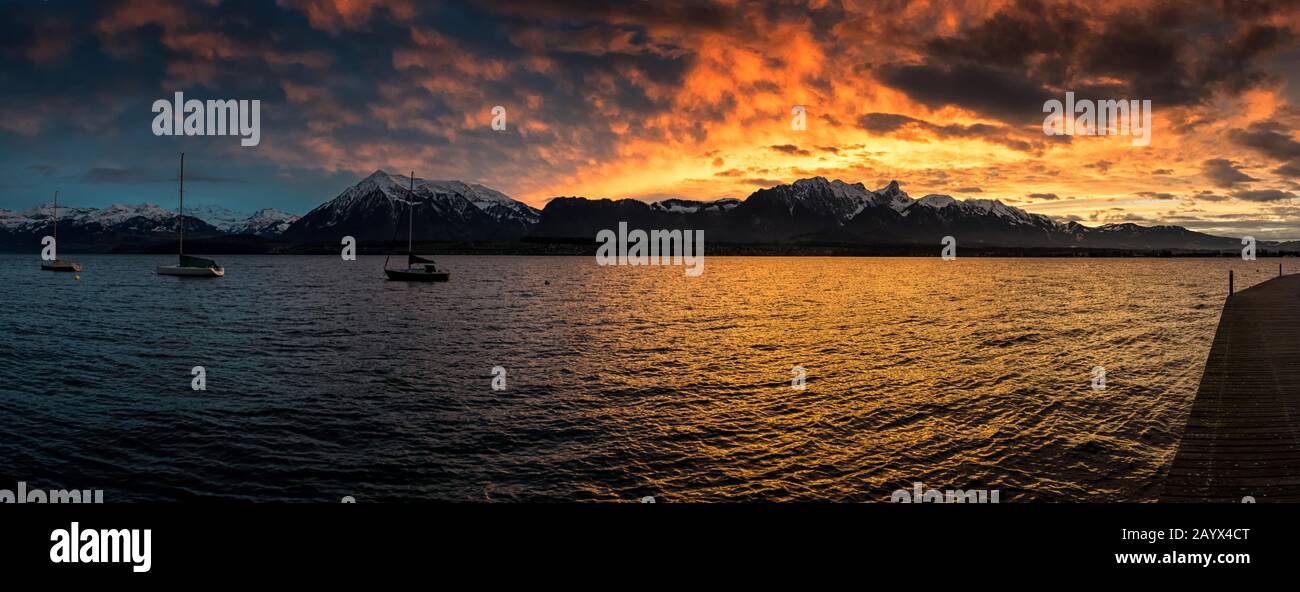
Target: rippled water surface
(324, 380)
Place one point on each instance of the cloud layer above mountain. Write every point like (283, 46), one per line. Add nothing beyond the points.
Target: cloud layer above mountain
(671, 98)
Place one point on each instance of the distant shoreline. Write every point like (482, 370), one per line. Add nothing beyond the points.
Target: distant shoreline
(246, 245)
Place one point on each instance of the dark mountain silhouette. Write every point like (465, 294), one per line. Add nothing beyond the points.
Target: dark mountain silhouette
(820, 211)
(812, 211)
(90, 229)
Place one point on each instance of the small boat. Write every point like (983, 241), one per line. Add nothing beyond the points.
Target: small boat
(61, 265)
(58, 264)
(193, 267)
(418, 269)
(188, 266)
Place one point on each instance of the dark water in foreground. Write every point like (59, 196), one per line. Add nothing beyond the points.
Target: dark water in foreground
(323, 380)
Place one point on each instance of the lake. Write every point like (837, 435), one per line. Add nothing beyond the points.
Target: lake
(323, 380)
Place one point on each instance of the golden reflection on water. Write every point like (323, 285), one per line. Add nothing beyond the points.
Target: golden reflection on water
(623, 381)
(973, 373)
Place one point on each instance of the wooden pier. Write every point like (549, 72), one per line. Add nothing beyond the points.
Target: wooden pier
(1243, 434)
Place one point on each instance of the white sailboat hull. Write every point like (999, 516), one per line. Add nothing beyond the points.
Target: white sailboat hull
(191, 271)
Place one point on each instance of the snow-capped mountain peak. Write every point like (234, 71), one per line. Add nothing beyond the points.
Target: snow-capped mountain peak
(950, 207)
(145, 218)
(220, 217)
(836, 198)
(388, 185)
(490, 201)
(266, 222)
(109, 215)
(829, 199)
(132, 219)
(371, 208)
(937, 201)
(893, 196)
(118, 213)
(397, 187)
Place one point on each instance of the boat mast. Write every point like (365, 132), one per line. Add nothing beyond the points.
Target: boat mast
(410, 225)
(181, 215)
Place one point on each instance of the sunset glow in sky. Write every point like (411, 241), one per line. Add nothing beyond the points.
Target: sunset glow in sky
(666, 99)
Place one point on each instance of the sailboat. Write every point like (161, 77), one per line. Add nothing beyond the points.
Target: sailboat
(418, 269)
(58, 264)
(189, 266)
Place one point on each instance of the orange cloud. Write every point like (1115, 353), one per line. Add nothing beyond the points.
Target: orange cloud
(336, 15)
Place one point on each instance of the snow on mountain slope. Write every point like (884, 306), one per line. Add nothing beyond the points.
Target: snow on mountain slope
(266, 222)
(936, 201)
(397, 187)
(493, 202)
(223, 219)
(113, 215)
(891, 195)
(10, 220)
(372, 208)
(690, 206)
(144, 218)
(379, 206)
(815, 197)
(984, 207)
(391, 186)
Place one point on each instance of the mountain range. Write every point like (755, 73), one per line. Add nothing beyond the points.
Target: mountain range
(101, 229)
(820, 211)
(807, 211)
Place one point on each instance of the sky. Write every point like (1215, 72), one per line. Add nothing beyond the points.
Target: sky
(670, 98)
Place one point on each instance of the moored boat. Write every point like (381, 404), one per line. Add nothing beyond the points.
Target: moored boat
(59, 264)
(415, 272)
(193, 267)
(188, 266)
(418, 269)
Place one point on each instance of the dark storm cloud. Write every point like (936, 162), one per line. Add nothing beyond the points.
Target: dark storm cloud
(137, 175)
(1268, 138)
(1007, 65)
(1013, 36)
(1233, 66)
(884, 122)
(333, 93)
(887, 123)
(594, 88)
(102, 175)
(1224, 173)
(699, 14)
(999, 93)
(789, 149)
(201, 177)
(1263, 195)
(1290, 169)
(1043, 196)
